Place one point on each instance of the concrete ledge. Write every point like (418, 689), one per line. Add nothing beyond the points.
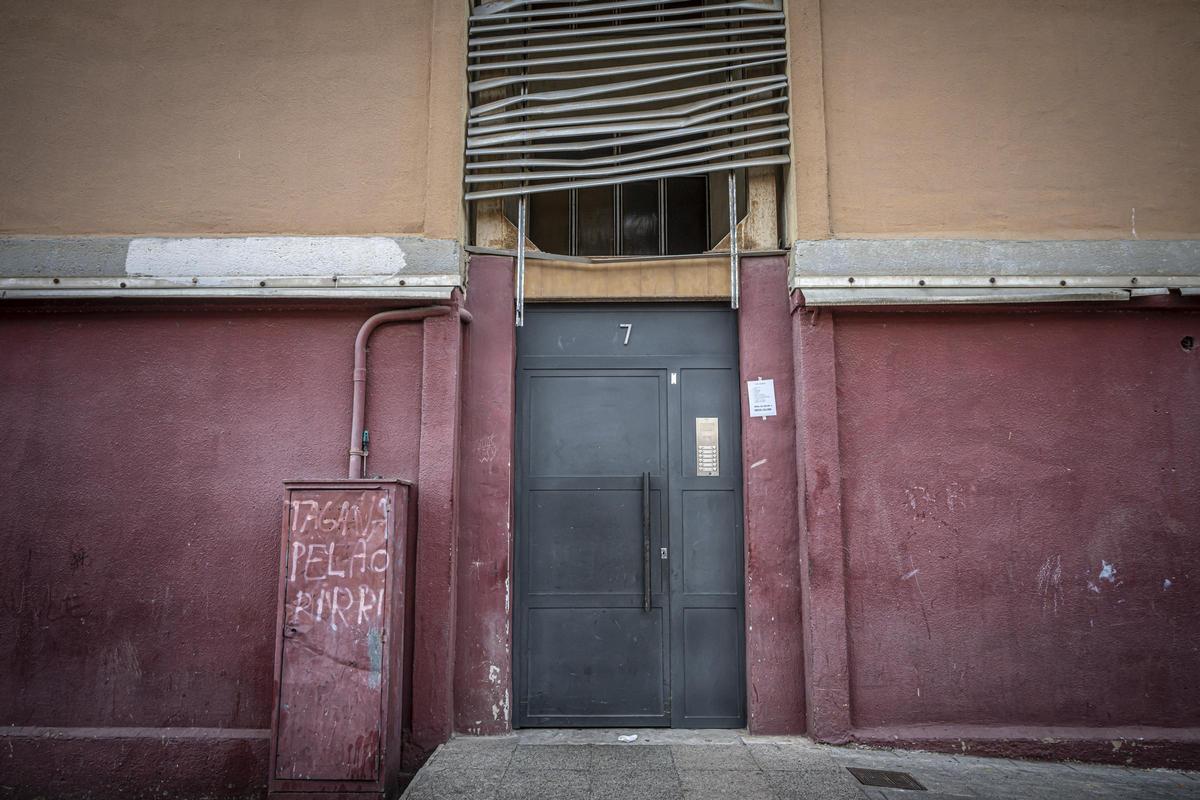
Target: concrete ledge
(849, 272)
(987, 257)
(267, 267)
(1141, 746)
(206, 257)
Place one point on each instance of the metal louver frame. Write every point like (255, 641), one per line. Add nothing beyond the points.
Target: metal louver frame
(569, 94)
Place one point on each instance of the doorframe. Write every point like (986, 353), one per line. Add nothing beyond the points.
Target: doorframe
(672, 512)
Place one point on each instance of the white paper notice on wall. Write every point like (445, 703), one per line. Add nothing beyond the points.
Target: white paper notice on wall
(761, 394)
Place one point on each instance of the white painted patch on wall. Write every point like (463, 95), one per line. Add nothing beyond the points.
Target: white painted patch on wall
(1108, 572)
(1166, 584)
(265, 256)
(758, 463)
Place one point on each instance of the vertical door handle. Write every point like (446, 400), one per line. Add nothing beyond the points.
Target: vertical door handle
(645, 541)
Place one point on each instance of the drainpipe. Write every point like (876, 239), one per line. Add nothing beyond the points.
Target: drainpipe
(358, 405)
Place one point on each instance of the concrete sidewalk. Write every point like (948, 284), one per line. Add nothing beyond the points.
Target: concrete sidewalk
(716, 765)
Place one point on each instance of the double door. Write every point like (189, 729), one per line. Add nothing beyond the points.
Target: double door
(628, 527)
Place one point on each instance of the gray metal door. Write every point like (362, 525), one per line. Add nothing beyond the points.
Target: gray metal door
(628, 539)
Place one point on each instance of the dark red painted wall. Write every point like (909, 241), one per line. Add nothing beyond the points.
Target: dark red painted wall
(1020, 504)
(144, 450)
(774, 657)
(965, 477)
(436, 561)
(483, 663)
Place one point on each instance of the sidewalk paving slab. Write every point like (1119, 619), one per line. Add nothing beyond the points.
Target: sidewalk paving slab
(729, 765)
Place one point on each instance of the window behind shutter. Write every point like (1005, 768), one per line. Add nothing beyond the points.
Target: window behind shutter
(578, 94)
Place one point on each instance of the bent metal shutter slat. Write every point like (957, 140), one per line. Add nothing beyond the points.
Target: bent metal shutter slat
(590, 93)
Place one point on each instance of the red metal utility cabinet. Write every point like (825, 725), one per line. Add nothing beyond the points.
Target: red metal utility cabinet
(339, 660)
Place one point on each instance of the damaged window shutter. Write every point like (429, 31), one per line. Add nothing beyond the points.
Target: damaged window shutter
(578, 94)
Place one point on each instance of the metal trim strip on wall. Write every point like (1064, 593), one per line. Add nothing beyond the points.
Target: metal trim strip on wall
(435, 287)
(893, 297)
(930, 282)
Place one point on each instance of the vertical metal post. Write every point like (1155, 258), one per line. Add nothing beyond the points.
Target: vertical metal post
(521, 203)
(733, 241)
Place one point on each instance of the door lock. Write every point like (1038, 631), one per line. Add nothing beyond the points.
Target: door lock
(662, 553)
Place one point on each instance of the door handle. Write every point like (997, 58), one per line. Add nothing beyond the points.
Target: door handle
(645, 541)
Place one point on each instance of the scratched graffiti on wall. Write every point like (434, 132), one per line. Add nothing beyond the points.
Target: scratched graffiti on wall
(336, 551)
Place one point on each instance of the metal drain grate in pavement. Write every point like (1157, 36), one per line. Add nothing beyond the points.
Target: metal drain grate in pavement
(886, 778)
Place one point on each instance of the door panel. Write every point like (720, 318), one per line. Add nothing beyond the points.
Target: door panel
(708, 668)
(582, 542)
(711, 664)
(596, 666)
(589, 652)
(710, 555)
(566, 331)
(605, 395)
(594, 424)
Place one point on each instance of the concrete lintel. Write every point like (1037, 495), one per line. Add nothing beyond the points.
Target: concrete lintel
(995, 257)
(206, 257)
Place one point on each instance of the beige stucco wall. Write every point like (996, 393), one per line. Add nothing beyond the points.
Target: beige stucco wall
(960, 118)
(1001, 119)
(231, 116)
